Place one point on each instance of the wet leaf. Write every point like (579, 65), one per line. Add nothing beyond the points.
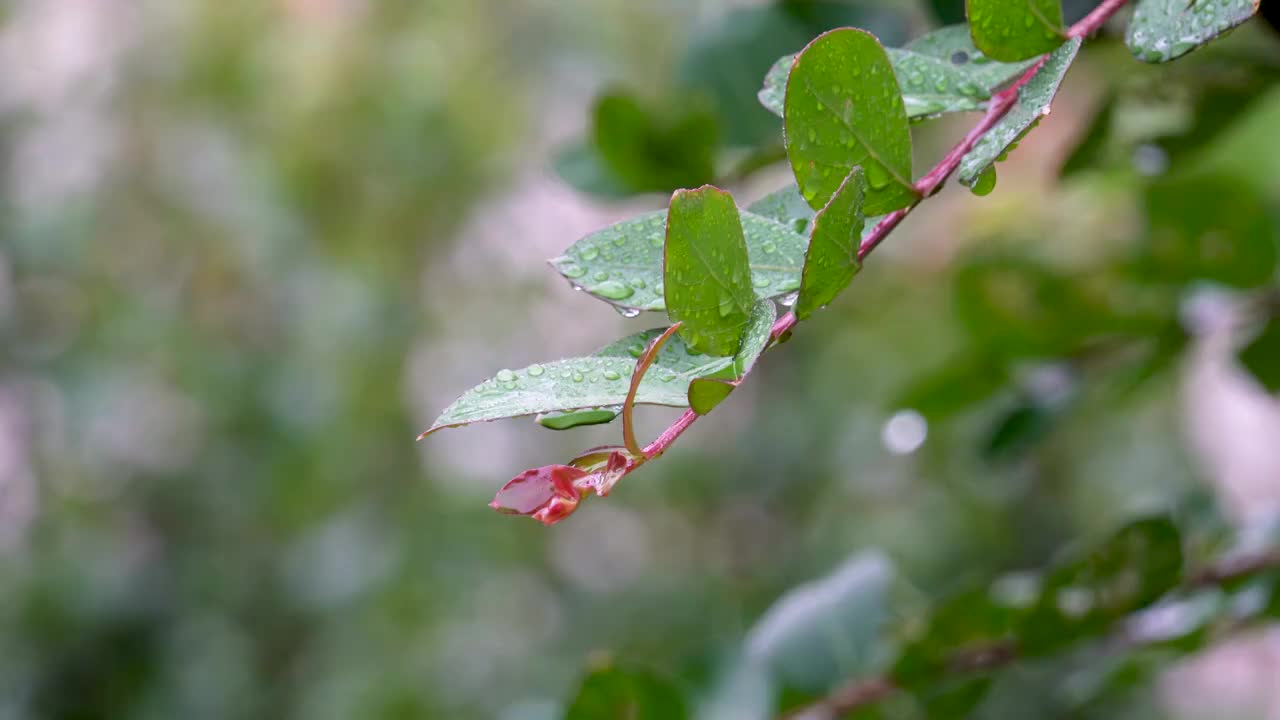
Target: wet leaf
(843, 109)
(832, 258)
(706, 271)
(618, 694)
(707, 392)
(1033, 103)
(954, 45)
(1012, 30)
(547, 494)
(600, 380)
(787, 207)
(1164, 30)
(622, 264)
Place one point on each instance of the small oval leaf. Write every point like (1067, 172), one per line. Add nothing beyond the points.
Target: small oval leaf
(1012, 30)
(1164, 30)
(832, 259)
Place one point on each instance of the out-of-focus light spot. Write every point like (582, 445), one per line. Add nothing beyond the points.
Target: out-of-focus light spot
(1150, 160)
(905, 432)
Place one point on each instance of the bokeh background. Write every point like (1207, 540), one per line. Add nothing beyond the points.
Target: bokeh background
(250, 248)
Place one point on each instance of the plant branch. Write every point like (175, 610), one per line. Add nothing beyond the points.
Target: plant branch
(991, 655)
(926, 186)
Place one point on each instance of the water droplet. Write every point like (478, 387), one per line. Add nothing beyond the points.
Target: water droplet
(800, 224)
(959, 57)
(813, 135)
(620, 240)
(613, 290)
(589, 253)
(916, 78)
(611, 375)
(1029, 21)
(986, 182)
(577, 377)
(666, 376)
(789, 299)
(657, 240)
(940, 84)
(761, 282)
(636, 350)
(627, 312)
(638, 283)
(536, 370)
(601, 275)
(506, 376)
(877, 175)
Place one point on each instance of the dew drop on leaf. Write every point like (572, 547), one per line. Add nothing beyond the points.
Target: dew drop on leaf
(986, 182)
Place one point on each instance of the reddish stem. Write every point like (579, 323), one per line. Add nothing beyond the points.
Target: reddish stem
(1094, 20)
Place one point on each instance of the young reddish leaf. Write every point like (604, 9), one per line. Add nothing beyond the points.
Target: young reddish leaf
(642, 366)
(547, 494)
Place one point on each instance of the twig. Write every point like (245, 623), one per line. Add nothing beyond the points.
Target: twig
(992, 655)
(932, 181)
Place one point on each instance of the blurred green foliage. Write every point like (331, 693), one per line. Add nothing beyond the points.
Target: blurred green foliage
(224, 228)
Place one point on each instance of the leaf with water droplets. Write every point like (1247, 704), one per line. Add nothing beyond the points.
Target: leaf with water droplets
(774, 93)
(832, 259)
(706, 270)
(1164, 30)
(786, 206)
(622, 264)
(707, 392)
(844, 108)
(930, 84)
(600, 380)
(954, 45)
(1012, 30)
(1033, 103)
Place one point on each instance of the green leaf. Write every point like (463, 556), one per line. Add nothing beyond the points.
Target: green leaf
(1209, 227)
(1262, 356)
(773, 95)
(827, 630)
(1032, 104)
(1012, 30)
(930, 85)
(600, 380)
(954, 45)
(706, 393)
(1164, 30)
(1128, 572)
(622, 264)
(844, 108)
(569, 419)
(786, 206)
(615, 694)
(706, 271)
(650, 153)
(832, 258)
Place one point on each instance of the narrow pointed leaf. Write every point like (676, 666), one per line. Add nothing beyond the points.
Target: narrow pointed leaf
(954, 45)
(1164, 30)
(706, 393)
(1033, 103)
(1012, 30)
(832, 259)
(600, 380)
(622, 264)
(706, 271)
(844, 108)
